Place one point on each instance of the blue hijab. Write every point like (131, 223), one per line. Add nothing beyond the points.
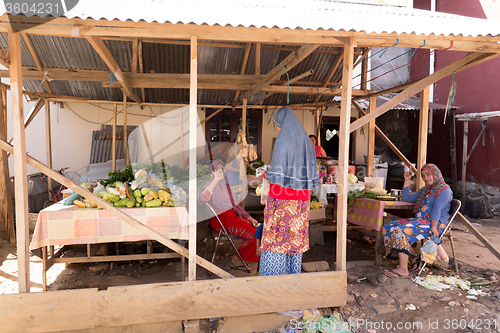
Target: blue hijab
(293, 163)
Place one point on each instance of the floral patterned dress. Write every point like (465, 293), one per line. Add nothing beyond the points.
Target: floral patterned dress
(400, 234)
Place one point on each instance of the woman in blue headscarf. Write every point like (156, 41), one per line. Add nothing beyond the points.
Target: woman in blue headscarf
(292, 175)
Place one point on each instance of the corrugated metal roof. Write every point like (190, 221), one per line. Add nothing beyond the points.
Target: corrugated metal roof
(412, 103)
(291, 14)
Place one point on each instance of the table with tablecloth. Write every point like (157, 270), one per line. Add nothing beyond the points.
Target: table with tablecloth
(369, 213)
(71, 225)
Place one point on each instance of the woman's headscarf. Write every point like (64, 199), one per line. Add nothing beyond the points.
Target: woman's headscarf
(430, 190)
(293, 163)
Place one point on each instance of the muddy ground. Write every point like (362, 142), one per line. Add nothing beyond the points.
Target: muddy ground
(375, 303)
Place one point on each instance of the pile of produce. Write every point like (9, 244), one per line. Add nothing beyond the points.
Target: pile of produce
(146, 190)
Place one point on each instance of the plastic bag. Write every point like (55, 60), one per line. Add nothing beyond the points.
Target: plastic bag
(265, 191)
(442, 256)
(428, 252)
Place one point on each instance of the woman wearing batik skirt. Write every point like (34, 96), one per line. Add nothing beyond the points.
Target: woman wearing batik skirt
(432, 206)
(292, 175)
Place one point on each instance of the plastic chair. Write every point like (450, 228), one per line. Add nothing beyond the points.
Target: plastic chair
(223, 234)
(454, 208)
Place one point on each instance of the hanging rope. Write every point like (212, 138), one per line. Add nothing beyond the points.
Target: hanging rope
(287, 84)
(451, 95)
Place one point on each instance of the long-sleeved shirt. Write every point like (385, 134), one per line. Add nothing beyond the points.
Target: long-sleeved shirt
(439, 206)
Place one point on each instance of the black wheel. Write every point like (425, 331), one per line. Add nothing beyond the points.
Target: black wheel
(48, 203)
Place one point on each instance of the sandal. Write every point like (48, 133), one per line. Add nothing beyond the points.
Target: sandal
(239, 268)
(414, 267)
(385, 272)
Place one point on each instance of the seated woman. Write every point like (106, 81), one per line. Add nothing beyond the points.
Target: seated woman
(234, 218)
(432, 206)
(320, 152)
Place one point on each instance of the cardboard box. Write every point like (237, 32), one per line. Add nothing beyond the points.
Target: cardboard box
(317, 214)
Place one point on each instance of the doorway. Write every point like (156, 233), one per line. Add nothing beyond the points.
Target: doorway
(332, 146)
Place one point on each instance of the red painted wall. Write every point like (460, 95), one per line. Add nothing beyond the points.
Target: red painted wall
(477, 90)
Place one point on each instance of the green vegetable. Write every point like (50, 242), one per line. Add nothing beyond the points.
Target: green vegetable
(139, 200)
(130, 203)
(121, 202)
(154, 203)
(254, 166)
(137, 194)
(145, 191)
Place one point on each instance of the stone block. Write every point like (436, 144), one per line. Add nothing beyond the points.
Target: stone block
(383, 309)
(315, 266)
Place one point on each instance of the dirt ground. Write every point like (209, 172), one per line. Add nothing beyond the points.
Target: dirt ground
(375, 303)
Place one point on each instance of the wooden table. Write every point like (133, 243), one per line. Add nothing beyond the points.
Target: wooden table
(70, 225)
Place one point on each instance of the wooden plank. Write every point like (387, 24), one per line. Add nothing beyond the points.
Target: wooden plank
(5, 165)
(170, 302)
(371, 138)
(257, 58)
(479, 235)
(48, 145)
(423, 125)
(343, 164)
(116, 212)
(413, 89)
(364, 68)
(20, 170)
(34, 55)
(4, 179)
(4, 57)
(113, 139)
(291, 61)
(193, 117)
(127, 257)
(125, 132)
(105, 54)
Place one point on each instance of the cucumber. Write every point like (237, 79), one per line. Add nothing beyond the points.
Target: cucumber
(154, 203)
(121, 202)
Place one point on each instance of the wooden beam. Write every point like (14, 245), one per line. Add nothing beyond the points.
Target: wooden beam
(246, 53)
(291, 61)
(193, 117)
(413, 89)
(116, 212)
(141, 66)
(364, 68)
(423, 128)
(38, 64)
(295, 79)
(135, 54)
(343, 164)
(4, 57)
(244, 117)
(48, 145)
(104, 53)
(10, 236)
(113, 139)
(257, 58)
(111, 309)
(371, 136)
(20, 170)
(126, 155)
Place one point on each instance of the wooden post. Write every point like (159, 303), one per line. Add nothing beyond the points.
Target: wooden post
(364, 69)
(371, 138)
(5, 190)
(463, 198)
(345, 117)
(257, 58)
(182, 135)
(453, 151)
(244, 117)
(423, 127)
(126, 154)
(6, 173)
(48, 142)
(113, 139)
(20, 169)
(193, 116)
